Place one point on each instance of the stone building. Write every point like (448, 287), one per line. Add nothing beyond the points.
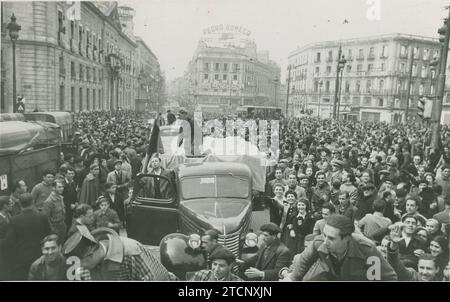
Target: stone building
(69, 62)
(375, 78)
(226, 72)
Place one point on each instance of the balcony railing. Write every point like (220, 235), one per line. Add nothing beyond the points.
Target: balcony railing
(371, 57)
(360, 58)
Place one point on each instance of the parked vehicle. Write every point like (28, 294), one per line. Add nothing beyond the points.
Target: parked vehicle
(62, 119)
(26, 150)
(195, 197)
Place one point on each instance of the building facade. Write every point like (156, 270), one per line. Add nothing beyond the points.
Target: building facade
(68, 62)
(151, 80)
(226, 72)
(375, 78)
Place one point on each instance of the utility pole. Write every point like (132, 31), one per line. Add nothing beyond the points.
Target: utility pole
(288, 89)
(336, 89)
(437, 109)
(320, 91)
(408, 92)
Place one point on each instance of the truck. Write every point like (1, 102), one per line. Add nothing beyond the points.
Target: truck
(200, 193)
(26, 150)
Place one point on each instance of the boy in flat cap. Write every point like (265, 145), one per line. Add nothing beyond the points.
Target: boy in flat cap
(339, 254)
(222, 261)
(272, 256)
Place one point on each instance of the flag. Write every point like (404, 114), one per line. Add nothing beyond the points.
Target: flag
(154, 144)
(73, 13)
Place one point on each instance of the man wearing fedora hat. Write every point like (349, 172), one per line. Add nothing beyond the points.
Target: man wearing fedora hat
(105, 256)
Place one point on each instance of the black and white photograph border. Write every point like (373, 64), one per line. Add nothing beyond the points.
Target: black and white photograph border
(264, 141)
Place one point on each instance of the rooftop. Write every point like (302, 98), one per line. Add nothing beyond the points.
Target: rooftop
(364, 39)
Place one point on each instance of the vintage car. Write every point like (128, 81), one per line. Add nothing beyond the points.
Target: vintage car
(193, 198)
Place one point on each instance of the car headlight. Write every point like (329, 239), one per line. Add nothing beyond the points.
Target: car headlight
(194, 241)
(251, 240)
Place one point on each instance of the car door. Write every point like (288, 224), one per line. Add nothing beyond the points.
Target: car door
(151, 214)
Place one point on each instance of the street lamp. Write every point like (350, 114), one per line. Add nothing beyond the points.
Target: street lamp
(341, 65)
(288, 87)
(320, 91)
(14, 29)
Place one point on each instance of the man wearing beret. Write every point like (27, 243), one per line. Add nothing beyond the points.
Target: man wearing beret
(104, 255)
(339, 254)
(222, 261)
(272, 256)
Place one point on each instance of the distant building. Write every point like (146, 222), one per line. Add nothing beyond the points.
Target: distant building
(375, 77)
(226, 72)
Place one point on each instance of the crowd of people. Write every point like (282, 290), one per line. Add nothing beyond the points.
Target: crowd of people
(338, 192)
(379, 184)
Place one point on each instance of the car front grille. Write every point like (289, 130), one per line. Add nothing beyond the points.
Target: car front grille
(231, 242)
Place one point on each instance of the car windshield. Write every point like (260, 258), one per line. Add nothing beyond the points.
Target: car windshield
(215, 186)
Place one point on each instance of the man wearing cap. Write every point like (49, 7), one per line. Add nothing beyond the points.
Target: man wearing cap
(272, 256)
(222, 261)
(107, 256)
(336, 169)
(341, 255)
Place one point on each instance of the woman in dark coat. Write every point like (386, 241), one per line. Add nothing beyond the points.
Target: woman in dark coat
(305, 224)
(288, 224)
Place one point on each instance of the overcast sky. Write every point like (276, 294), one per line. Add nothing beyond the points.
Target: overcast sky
(172, 28)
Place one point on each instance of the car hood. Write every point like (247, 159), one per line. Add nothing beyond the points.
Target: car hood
(224, 214)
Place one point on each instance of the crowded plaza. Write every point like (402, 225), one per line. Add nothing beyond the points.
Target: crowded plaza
(339, 195)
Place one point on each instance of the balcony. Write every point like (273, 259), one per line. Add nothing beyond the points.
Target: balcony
(317, 61)
(329, 59)
(349, 58)
(371, 57)
(360, 58)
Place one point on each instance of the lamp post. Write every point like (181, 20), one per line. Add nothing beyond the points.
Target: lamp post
(320, 92)
(14, 29)
(341, 65)
(288, 87)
